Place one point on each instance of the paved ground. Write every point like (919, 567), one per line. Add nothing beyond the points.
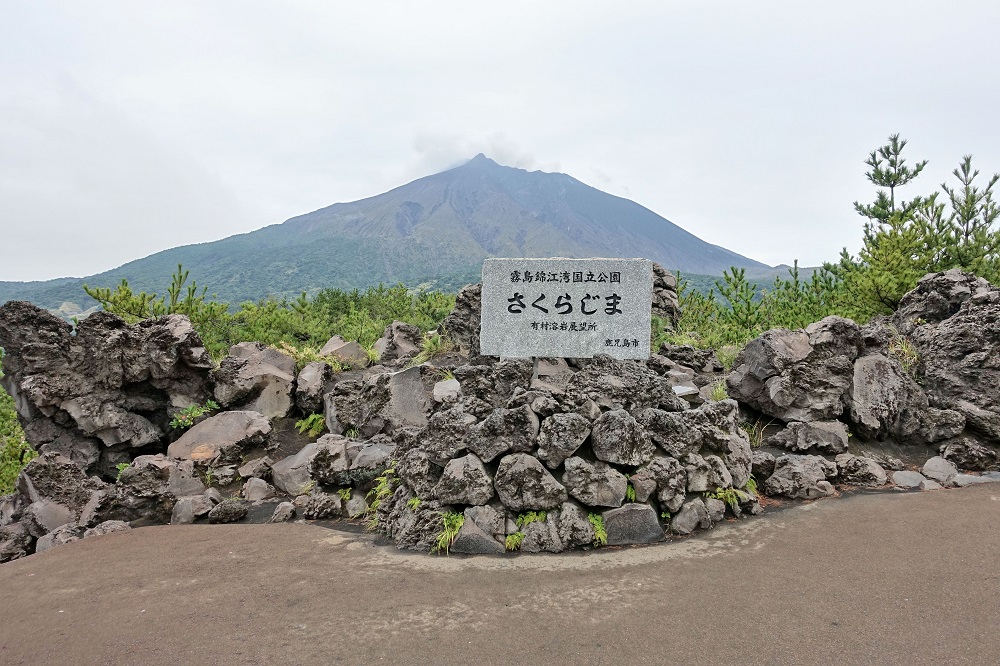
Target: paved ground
(889, 578)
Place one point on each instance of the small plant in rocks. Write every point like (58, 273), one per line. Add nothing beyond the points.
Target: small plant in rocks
(513, 541)
(451, 524)
(187, 416)
(312, 425)
(600, 533)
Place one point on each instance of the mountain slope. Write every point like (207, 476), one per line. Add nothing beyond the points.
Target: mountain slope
(435, 230)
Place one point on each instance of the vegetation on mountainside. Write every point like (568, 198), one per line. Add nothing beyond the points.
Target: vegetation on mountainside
(15, 452)
(301, 323)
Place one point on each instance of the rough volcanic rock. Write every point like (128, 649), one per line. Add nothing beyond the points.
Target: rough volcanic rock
(860, 471)
(632, 523)
(665, 303)
(817, 436)
(222, 437)
(258, 467)
(801, 477)
(418, 471)
(798, 375)
(446, 433)
(615, 384)
(148, 488)
(447, 391)
(966, 453)
(552, 375)
(15, 542)
(908, 479)
(494, 384)
(60, 536)
(110, 384)
(229, 511)
(693, 515)
(384, 402)
(618, 438)
(763, 464)
(885, 402)
(53, 477)
(107, 527)
(960, 361)
(399, 341)
(504, 431)
(559, 436)
(255, 490)
(596, 484)
(291, 474)
(188, 509)
(465, 481)
(542, 536)
(284, 512)
(313, 382)
(523, 484)
(461, 326)
(256, 378)
(348, 354)
(44, 516)
(670, 479)
(937, 297)
(575, 528)
(482, 532)
(319, 505)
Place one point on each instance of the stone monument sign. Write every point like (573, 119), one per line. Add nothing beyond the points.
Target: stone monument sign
(571, 308)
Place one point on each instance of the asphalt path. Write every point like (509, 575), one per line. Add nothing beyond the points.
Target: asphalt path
(888, 578)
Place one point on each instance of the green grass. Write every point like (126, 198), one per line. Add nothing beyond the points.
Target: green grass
(187, 416)
(513, 541)
(600, 533)
(451, 524)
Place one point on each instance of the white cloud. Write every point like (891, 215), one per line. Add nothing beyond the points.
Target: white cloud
(129, 128)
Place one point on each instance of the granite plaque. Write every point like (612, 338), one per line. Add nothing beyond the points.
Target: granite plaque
(571, 308)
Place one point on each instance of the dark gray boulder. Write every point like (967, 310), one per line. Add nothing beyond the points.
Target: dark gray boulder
(111, 384)
(860, 471)
(60, 536)
(632, 523)
(229, 511)
(523, 484)
(801, 477)
(399, 341)
(15, 542)
(188, 509)
(223, 437)
(314, 381)
(814, 437)
(291, 474)
(482, 532)
(542, 536)
(940, 470)
(617, 437)
(559, 436)
(937, 297)
(968, 454)
(504, 431)
(596, 484)
(693, 515)
(669, 478)
(461, 326)
(465, 481)
(416, 469)
(256, 378)
(798, 375)
(43, 516)
(575, 528)
(960, 361)
(614, 384)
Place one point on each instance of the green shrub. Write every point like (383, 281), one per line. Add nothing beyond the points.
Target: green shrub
(451, 524)
(187, 416)
(312, 425)
(15, 452)
(600, 534)
(513, 541)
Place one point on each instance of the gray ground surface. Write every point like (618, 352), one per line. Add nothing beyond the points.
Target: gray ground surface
(888, 578)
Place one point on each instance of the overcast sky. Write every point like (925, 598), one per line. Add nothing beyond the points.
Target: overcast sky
(131, 127)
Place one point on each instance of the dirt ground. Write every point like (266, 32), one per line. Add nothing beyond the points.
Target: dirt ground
(879, 578)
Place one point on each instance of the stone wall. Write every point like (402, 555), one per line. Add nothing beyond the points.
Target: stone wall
(484, 456)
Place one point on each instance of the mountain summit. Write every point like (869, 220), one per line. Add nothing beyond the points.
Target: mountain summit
(435, 230)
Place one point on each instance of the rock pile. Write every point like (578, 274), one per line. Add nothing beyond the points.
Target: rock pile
(480, 455)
